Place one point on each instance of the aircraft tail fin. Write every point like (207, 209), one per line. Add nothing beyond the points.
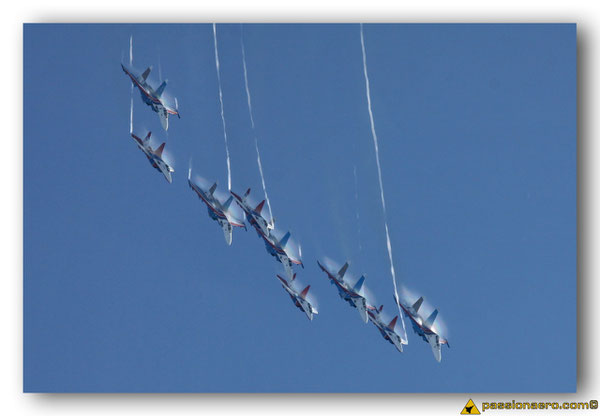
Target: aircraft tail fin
(161, 89)
(392, 324)
(429, 321)
(227, 203)
(380, 308)
(305, 292)
(144, 76)
(159, 150)
(417, 304)
(285, 239)
(247, 193)
(212, 188)
(342, 271)
(294, 276)
(259, 207)
(359, 284)
(147, 138)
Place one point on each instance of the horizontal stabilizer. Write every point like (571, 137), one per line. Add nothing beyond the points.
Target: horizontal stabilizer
(161, 89)
(212, 188)
(247, 193)
(259, 207)
(145, 74)
(163, 117)
(417, 304)
(342, 271)
(159, 150)
(227, 231)
(359, 284)
(431, 319)
(436, 347)
(147, 138)
(284, 240)
(392, 324)
(286, 265)
(304, 292)
(361, 305)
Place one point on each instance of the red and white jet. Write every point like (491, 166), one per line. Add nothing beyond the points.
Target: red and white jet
(299, 299)
(153, 97)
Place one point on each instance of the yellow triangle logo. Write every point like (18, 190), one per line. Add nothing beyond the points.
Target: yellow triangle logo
(470, 409)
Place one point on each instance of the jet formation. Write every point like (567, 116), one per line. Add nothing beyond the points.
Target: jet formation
(222, 213)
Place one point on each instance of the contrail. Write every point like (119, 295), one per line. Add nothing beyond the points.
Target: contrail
(376, 144)
(262, 176)
(131, 94)
(222, 111)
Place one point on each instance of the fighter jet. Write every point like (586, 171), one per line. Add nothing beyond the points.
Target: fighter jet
(299, 299)
(424, 327)
(387, 330)
(218, 211)
(254, 215)
(154, 156)
(351, 294)
(153, 97)
(278, 249)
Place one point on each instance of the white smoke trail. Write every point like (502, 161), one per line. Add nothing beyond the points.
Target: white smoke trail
(131, 93)
(222, 110)
(260, 169)
(159, 66)
(357, 209)
(376, 144)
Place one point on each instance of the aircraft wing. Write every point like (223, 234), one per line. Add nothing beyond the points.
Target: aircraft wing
(165, 170)
(233, 220)
(397, 341)
(308, 309)
(164, 117)
(286, 286)
(227, 230)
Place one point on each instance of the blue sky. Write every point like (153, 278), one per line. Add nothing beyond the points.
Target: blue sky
(129, 286)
